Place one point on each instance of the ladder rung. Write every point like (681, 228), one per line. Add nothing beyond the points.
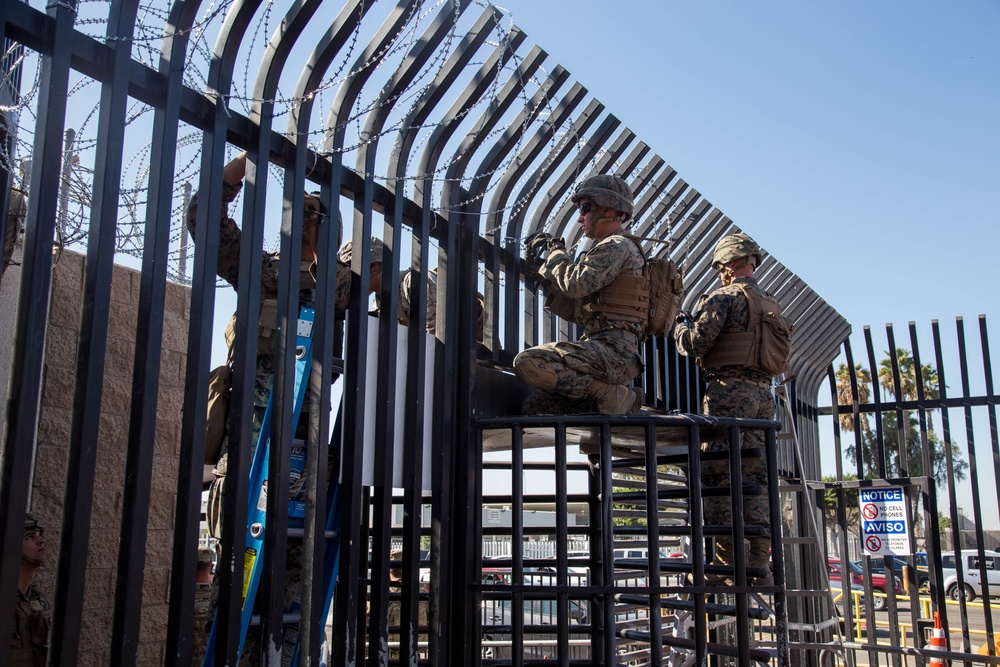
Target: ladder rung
(806, 592)
(286, 618)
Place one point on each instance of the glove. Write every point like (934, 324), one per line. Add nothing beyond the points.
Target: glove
(531, 266)
(556, 244)
(683, 317)
(535, 245)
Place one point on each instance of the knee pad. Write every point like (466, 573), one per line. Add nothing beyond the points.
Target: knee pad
(532, 371)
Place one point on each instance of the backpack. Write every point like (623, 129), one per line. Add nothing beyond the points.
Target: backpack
(771, 348)
(766, 345)
(666, 288)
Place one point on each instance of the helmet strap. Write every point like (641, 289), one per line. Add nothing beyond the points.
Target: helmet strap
(728, 270)
(611, 218)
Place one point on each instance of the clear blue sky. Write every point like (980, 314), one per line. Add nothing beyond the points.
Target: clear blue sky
(859, 142)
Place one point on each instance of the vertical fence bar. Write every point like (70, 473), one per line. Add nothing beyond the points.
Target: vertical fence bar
(777, 550)
(653, 545)
(697, 541)
(91, 355)
(517, 545)
(739, 575)
(29, 339)
(146, 368)
(562, 540)
(994, 439)
(977, 510)
(950, 471)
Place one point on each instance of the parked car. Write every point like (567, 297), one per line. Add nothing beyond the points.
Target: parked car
(536, 613)
(972, 578)
(857, 577)
(877, 565)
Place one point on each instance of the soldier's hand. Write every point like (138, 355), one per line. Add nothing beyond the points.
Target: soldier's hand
(683, 317)
(531, 267)
(556, 244)
(536, 244)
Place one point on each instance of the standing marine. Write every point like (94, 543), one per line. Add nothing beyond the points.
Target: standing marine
(717, 336)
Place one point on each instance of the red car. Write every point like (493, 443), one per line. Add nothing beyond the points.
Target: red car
(857, 578)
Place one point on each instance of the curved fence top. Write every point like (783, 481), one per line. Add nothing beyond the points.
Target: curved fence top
(442, 105)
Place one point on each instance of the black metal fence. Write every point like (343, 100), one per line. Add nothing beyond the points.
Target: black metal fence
(924, 421)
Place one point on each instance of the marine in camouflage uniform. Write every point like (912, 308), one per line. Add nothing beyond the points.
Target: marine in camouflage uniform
(32, 612)
(227, 268)
(17, 209)
(406, 299)
(205, 601)
(732, 391)
(394, 609)
(592, 373)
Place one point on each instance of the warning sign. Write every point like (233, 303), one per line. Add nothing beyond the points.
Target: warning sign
(248, 560)
(884, 527)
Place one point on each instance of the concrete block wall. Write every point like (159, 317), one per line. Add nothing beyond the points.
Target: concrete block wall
(52, 452)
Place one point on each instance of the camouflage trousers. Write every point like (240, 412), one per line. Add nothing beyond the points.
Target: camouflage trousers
(205, 601)
(293, 550)
(576, 365)
(732, 397)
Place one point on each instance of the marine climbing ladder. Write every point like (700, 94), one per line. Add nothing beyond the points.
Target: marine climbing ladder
(816, 608)
(257, 508)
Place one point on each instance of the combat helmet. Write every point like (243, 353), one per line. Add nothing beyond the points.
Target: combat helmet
(606, 190)
(32, 523)
(733, 247)
(311, 204)
(347, 250)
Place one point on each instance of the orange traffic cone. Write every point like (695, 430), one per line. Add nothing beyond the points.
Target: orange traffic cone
(937, 643)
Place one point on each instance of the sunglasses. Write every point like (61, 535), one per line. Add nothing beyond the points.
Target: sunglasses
(586, 207)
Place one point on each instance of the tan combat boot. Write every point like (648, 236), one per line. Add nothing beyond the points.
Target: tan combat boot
(614, 399)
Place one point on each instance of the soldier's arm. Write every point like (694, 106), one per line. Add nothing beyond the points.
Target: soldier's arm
(697, 338)
(227, 266)
(343, 289)
(596, 269)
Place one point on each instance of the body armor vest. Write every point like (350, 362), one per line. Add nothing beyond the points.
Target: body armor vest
(267, 321)
(765, 345)
(626, 298)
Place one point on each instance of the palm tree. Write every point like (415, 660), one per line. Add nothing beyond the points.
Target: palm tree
(845, 396)
(902, 434)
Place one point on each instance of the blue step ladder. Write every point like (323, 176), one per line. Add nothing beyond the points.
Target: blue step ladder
(257, 509)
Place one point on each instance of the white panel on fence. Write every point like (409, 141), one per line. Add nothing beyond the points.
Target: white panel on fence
(372, 412)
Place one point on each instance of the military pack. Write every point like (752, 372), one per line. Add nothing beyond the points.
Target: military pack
(666, 287)
(766, 345)
(220, 385)
(774, 338)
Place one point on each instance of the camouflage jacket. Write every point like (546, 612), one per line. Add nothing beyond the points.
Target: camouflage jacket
(726, 310)
(406, 299)
(33, 619)
(593, 270)
(228, 263)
